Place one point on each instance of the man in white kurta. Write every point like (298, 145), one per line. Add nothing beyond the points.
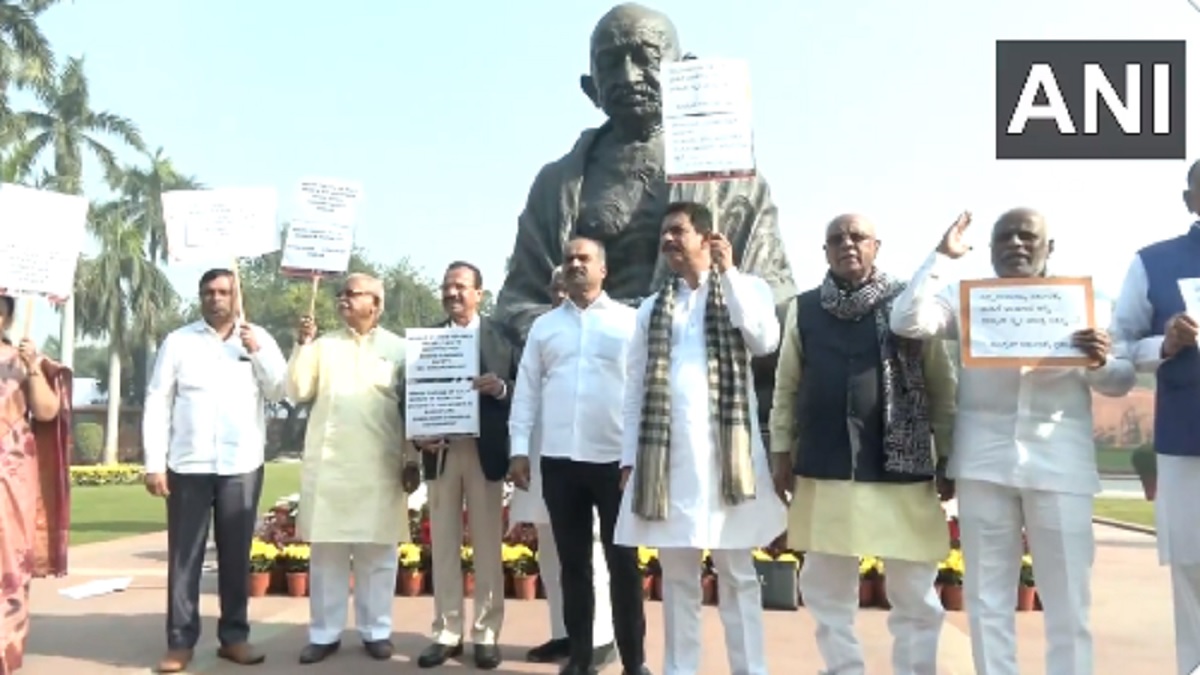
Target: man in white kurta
(528, 508)
(855, 413)
(1152, 326)
(353, 502)
(1023, 458)
(714, 500)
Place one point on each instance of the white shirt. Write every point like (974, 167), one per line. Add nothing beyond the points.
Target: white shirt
(1026, 428)
(1132, 315)
(573, 370)
(205, 409)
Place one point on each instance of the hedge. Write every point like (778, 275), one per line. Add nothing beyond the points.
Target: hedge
(117, 474)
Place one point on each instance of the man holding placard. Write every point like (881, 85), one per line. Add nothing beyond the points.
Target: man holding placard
(694, 470)
(471, 468)
(1155, 325)
(353, 487)
(854, 419)
(1024, 459)
(204, 429)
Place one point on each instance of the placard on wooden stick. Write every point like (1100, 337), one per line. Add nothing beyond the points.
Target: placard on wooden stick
(1027, 322)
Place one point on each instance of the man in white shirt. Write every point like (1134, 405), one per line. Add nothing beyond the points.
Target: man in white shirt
(693, 462)
(204, 430)
(527, 507)
(1023, 457)
(1151, 325)
(573, 372)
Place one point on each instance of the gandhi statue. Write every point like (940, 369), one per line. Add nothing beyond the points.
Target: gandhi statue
(612, 187)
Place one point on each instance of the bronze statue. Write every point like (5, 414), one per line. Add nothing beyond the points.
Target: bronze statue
(612, 187)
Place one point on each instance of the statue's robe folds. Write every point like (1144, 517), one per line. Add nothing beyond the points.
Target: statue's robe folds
(745, 214)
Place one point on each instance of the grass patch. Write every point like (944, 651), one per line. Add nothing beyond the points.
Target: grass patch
(1136, 511)
(1114, 461)
(108, 512)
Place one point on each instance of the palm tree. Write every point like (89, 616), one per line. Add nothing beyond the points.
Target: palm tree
(25, 56)
(120, 294)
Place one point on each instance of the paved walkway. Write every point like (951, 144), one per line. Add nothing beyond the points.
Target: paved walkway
(123, 633)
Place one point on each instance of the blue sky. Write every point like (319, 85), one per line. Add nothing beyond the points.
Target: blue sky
(445, 112)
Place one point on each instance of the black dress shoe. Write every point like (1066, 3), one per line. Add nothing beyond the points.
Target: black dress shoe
(313, 653)
(573, 669)
(640, 671)
(550, 651)
(603, 655)
(436, 654)
(487, 657)
(380, 650)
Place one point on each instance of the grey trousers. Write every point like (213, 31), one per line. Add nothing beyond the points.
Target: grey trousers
(230, 503)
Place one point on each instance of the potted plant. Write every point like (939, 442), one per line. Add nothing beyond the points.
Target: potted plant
(262, 562)
(880, 580)
(294, 560)
(950, 577)
(648, 564)
(410, 579)
(708, 579)
(467, 556)
(1026, 589)
(1145, 464)
(524, 568)
(868, 575)
(778, 575)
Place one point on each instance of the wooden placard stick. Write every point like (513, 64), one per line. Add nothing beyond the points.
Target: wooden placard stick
(27, 317)
(239, 310)
(312, 301)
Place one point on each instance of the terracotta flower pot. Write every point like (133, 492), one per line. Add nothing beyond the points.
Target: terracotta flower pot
(410, 583)
(656, 588)
(881, 598)
(1025, 598)
(647, 587)
(866, 592)
(1149, 486)
(297, 584)
(525, 586)
(259, 583)
(952, 597)
(708, 587)
(541, 589)
(468, 584)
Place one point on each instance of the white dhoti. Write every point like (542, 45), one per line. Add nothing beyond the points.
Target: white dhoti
(829, 584)
(1059, 530)
(1179, 547)
(330, 568)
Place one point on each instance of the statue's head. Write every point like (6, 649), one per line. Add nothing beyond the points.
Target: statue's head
(629, 46)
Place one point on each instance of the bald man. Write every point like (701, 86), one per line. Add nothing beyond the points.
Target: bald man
(1023, 459)
(853, 426)
(354, 485)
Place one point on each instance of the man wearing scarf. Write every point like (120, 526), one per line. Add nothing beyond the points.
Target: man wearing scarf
(1024, 462)
(855, 415)
(695, 473)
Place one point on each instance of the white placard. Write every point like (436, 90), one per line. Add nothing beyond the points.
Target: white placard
(441, 409)
(441, 353)
(41, 237)
(328, 200)
(1025, 322)
(708, 128)
(221, 224)
(318, 247)
(1190, 290)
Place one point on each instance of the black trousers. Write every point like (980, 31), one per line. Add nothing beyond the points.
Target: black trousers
(571, 491)
(231, 504)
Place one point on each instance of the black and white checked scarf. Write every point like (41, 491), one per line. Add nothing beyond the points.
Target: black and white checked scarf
(729, 404)
(907, 429)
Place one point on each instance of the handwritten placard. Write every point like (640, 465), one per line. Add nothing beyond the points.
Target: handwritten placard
(441, 353)
(41, 236)
(708, 131)
(1009, 323)
(328, 200)
(441, 409)
(221, 224)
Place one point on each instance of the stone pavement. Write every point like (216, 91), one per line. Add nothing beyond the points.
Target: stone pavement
(123, 632)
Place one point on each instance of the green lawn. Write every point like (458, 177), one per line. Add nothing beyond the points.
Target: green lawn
(1112, 461)
(108, 512)
(1136, 511)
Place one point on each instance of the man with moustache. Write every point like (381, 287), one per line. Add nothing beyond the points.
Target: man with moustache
(528, 507)
(458, 468)
(1023, 456)
(611, 187)
(353, 488)
(855, 415)
(204, 429)
(1151, 326)
(572, 372)
(694, 467)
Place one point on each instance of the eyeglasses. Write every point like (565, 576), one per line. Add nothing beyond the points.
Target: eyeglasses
(352, 294)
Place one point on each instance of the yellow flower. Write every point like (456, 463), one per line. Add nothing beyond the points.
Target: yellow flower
(867, 564)
(467, 553)
(646, 555)
(261, 550)
(507, 553)
(1027, 560)
(760, 554)
(954, 562)
(295, 552)
(409, 556)
(788, 557)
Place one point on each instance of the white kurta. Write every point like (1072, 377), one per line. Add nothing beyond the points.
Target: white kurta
(698, 516)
